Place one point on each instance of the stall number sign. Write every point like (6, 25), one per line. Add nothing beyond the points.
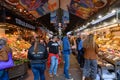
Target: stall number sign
(22, 23)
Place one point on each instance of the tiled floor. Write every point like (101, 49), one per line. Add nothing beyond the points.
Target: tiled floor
(74, 70)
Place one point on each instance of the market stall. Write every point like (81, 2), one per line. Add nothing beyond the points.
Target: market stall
(18, 39)
(108, 40)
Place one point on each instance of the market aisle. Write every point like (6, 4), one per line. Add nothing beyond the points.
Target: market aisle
(74, 70)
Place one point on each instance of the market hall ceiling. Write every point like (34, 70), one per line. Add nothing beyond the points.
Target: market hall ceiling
(40, 10)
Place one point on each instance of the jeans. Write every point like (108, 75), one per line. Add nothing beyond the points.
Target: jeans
(66, 65)
(38, 70)
(4, 75)
(90, 68)
(80, 58)
(53, 65)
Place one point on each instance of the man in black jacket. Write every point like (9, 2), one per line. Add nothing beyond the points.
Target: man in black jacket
(77, 43)
(80, 57)
(37, 54)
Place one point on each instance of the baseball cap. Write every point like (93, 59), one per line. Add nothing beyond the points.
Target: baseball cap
(69, 33)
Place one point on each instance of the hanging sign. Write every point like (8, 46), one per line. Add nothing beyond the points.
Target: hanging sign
(22, 23)
(53, 17)
(65, 17)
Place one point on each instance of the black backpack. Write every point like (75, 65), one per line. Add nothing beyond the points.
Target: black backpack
(42, 53)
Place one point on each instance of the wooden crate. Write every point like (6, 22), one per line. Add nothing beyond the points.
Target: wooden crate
(18, 70)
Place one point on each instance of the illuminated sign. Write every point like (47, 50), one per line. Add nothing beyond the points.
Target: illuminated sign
(22, 23)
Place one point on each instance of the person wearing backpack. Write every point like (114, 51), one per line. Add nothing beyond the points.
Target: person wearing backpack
(37, 54)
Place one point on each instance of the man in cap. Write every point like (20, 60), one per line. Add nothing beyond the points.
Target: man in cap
(66, 55)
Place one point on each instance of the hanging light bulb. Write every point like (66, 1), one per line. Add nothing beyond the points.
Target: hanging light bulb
(25, 11)
(99, 16)
(8, 17)
(20, 10)
(113, 11)
(93, 20)
(88, 23)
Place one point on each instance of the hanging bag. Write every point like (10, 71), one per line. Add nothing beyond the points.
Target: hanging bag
(7, 64)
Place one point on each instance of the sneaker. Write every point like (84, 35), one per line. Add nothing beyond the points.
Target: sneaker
(69, 79)
(69, 74)
(56, 75)
(51, 75)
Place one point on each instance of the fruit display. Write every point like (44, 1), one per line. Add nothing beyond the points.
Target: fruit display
(18, 45)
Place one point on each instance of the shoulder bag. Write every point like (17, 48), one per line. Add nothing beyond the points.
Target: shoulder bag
(7, 64)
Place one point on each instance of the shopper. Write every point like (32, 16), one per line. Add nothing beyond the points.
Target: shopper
(80, 51)
(90, 55)
(53, 48)
(66, 55)
(78, 40)
(49, 42)
(77, 43)
(37, 54)
(4, 50)
(73, 44)
(43, 42)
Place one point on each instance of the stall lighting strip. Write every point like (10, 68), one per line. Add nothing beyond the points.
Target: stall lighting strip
(106, 27)
(99, 20)
(103, 18)
(83, 27)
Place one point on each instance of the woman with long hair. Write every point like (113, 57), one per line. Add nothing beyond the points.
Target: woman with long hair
(90, 55)
(37, 54)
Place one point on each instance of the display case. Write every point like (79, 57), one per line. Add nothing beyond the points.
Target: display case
(108, 40)
(110, 62)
